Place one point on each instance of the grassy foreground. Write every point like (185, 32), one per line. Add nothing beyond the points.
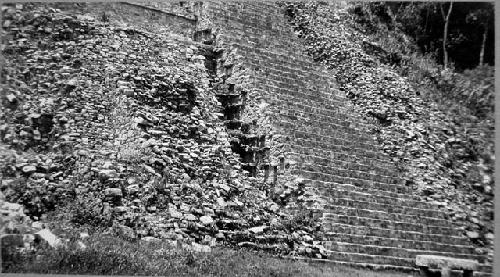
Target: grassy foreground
(108, 255)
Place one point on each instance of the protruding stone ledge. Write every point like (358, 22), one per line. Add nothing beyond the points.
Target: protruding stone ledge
(445, 264)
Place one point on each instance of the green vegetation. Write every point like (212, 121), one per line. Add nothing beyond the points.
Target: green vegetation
(105, 254)
(409, 33)
(465, 30)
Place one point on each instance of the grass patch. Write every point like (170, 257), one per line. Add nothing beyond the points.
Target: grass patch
(108, 255)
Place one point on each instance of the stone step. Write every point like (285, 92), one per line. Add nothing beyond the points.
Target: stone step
(343, 162)
(336, 178)
(371, 189)
(388, 224)
(483, 271)
(377, 198)
(425, 210)
(336, 227)
(327, 129)
(396, 207)
(377, 267)
(369, 259)
(484, 268)
(391, 251)
(338, 159)
(400, 243)
(329, 106)
(368, 188)
(326, 145)
(345, 172)
(236, 104)
(234, 132)
(382, 215)
(227, 94)
(480, 274)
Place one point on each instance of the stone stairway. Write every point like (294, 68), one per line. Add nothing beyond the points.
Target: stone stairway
(370, 218)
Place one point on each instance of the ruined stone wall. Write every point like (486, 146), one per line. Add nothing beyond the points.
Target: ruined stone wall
(153, 18)
(290, 124)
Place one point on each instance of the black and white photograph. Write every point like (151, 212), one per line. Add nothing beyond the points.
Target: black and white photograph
(247, 138)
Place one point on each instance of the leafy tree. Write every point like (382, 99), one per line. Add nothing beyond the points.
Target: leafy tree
(482, 16)
(447, 29)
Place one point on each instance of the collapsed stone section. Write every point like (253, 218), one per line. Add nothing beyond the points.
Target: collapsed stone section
(223, 68)
(180, 96)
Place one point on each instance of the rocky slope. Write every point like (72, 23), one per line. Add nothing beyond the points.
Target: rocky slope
(109, 125)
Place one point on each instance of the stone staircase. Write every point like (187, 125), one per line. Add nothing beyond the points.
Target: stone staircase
(370, 218)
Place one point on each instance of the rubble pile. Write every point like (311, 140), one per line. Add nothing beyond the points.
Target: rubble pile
(111, 126)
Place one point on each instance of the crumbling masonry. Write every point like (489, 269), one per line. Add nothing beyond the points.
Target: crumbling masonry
(287, 120)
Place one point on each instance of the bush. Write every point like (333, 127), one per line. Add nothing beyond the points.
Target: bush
(474, 88)
(37, 197)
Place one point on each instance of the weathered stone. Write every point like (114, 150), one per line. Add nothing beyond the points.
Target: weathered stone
(257, 230)
(13, 207)
(434, 261)
(131, 189)
(28, 169)
(11, 240)
(11, 98)
(206, 220)
(175, 214)
(151, 239)
(114, 192)
(126, 232)
(307, 238)
(81, 245)
(195, 247)
(121, 209)
(472, 234)
(47, 236)
(190, 217)
(107, 173)
(38, 175)
(274, 208)
(84, 235)
(37, 225)
(37, 135)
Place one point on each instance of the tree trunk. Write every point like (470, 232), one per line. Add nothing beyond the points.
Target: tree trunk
(446, 19)
(426, 18)
(391, 15)
(483, 44)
